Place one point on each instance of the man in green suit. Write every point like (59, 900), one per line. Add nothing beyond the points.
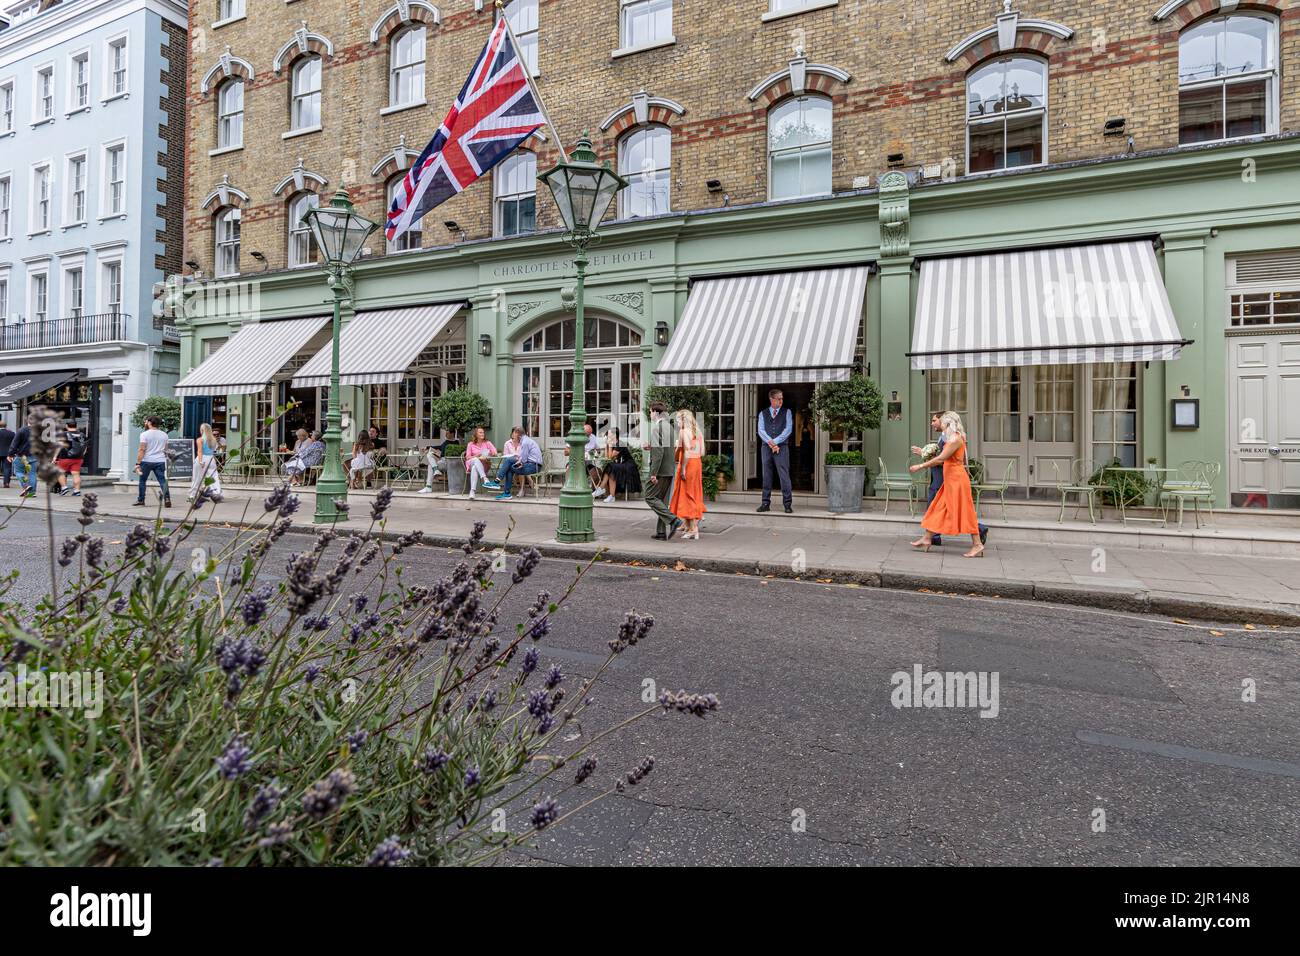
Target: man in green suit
(658, 490)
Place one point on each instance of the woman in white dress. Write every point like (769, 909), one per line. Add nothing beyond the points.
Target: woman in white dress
(205, 463)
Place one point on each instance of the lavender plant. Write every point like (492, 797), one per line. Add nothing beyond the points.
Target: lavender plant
(319, 709)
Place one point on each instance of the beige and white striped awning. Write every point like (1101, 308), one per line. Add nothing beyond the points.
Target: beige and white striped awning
(376, 348)
(246, 363)
(1069, 305)
(780, 326)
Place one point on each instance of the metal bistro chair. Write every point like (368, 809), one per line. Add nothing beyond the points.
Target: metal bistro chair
(405, 467)
(904, 484)
(998, 488)
(555, 464)
(1075, 482)
(1193, 482)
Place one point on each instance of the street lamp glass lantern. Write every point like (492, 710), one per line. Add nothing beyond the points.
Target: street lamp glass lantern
(339, 231)
(583, 189)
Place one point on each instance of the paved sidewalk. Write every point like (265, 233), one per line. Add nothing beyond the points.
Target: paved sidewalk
(1207, 586)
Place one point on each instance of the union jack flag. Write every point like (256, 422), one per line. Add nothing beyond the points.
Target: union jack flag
(495, 112)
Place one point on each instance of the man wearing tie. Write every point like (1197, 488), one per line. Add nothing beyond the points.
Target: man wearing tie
(775, 426)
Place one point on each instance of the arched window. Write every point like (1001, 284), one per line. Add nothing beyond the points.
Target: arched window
(406, 67)
(515, 184)
(230, 114)
(302, 245)
(644, 159)
(799, 148)
(305, 109)
(413, 237)
(227, 242)
(1227, 79)
(1006, 114)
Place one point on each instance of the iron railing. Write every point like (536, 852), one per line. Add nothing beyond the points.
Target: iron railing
(69, 330)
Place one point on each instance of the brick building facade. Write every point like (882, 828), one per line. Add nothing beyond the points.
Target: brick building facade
(901, 96)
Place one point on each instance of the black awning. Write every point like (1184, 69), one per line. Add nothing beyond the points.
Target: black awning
(14, 388)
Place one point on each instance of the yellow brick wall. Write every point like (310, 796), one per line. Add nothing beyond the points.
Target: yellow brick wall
(902, 96)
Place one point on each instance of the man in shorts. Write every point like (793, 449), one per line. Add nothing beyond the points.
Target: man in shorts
(70, 459)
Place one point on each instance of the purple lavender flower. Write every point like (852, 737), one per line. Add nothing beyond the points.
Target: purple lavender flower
(554, 677)
(383, 498)
(326, 796)
(68, 551)
(357, 739)
(697, 704)
(311, 672)
(528, 561)
(471, 777)
(233, 762)
(389, 853)
(276, 833)
(341, 506)
(433, 760)
(279, 494)
(545, 813)
(253, 607)
(586, 770)
(530, 661)
(266, 799)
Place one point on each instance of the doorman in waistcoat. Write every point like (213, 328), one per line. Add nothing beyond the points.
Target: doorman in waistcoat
(775, 426)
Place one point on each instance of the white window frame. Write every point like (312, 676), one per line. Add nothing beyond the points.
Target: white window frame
(1040, 111)
(37, 205)
(70, 216)
(777, 9)
(527, 40)
(108, 267)
(4, 296)
(6, 205)
(222, 115)
(767, 145)
(111, 46)
(38, 278)
(298, 232)
(395, 71)
(634, 175)
(295, 96)
(1271, 75)
(625, 44)
(79, 57)
(106, 210)
(74, 289)
(229, 11)
(500, 197)
(8, 106)
(220, 246)
(42, 105)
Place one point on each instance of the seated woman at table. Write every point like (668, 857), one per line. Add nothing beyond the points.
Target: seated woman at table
(362, 464)
(478, 459)
(306, 456)
(620, 472)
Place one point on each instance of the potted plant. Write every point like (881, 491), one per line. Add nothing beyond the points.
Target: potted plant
(715, 470)
(853, 405)
(1129, 486)
(459, 412)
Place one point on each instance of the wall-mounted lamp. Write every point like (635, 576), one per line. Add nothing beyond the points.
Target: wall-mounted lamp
(485, 344)
(192, 264)
(261, 259)
(895, 160)
(454, 227)
(661, 333)
(714, 185)
(1114, 126)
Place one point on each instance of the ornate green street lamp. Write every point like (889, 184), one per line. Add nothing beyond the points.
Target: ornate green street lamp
(583, 190)
(339, 233)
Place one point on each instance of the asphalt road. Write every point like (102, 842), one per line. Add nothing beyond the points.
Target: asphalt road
(809, 762)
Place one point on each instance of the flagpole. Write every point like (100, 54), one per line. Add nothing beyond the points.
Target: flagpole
(528, 77)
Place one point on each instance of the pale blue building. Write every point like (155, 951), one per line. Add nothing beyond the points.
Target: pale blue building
(92, 144)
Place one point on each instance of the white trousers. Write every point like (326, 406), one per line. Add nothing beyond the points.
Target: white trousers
(207, 468)
(476, 474)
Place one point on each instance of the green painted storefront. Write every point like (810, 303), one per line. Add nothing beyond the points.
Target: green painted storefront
(1204, 208)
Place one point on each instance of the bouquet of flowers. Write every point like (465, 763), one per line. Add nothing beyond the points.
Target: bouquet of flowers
(930, 450)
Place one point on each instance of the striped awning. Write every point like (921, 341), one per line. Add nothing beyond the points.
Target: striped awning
(246, 363)
(376, 348)
(780, 326)
(1069, 305)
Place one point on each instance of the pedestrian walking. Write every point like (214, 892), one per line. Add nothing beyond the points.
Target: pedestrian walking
(70, 459)
(688, 482)
(525, 460)
(953, 509)
(20, 459)
(478, 458)
(151, 459)
(936, 474)
(775, 426)
(205, 463)
(7, 436)
(659, 486)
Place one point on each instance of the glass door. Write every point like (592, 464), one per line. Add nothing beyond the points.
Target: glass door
(1053, 424)
(1002, 424)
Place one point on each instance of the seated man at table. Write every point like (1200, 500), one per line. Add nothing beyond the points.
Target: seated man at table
(435, 459)
(526, 461)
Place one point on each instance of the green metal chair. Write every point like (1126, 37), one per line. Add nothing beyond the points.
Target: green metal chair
(998, 488)
(904, 484)
(1075, 482)
(1193, 482)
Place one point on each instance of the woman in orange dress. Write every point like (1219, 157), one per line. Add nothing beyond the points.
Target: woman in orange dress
(953, 508)
(688, 483)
